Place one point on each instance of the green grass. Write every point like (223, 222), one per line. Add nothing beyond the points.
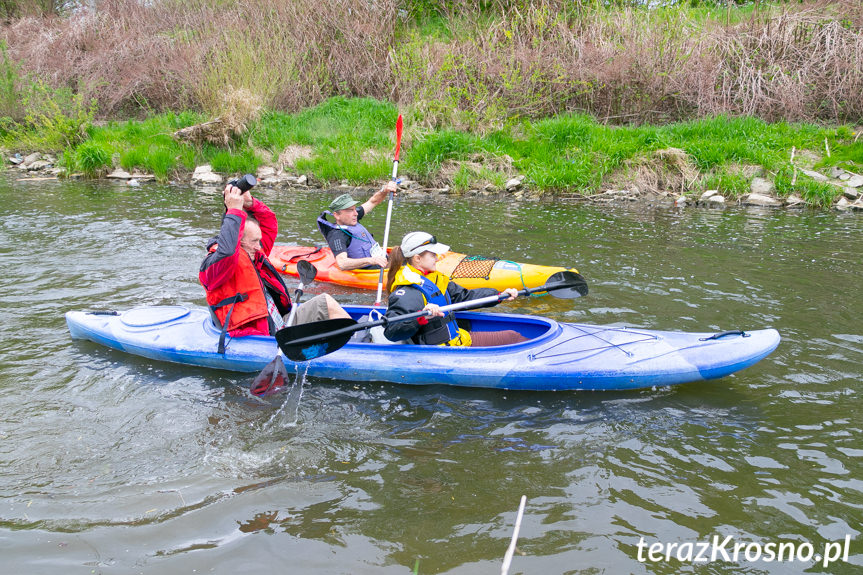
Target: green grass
(93, 157)
(241, 160)
(814, 192)
(353, 140)
(355, 122)
(147, 146)
(729, 13)
(729, 183)
(575, 151)
(431, 151)
(847, 155)
(10, 103)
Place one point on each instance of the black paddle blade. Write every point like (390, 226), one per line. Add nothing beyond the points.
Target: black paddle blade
(272, 378)
(306, 271)
(566, 285)
(310, 340)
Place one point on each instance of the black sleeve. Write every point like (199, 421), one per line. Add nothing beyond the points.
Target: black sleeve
(338, 241)
(404, 300)
(458, 294)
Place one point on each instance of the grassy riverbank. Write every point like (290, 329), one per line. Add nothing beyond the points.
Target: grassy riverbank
(352, 139)
(573, 97)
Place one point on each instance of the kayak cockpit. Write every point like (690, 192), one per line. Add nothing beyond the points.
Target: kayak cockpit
(531, 327)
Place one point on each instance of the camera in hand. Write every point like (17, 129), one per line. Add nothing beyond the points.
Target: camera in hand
(245, 183)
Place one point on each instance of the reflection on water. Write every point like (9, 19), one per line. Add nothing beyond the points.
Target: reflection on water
(120, 464)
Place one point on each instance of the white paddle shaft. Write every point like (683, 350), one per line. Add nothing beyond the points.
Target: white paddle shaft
(297, 295)
(387, 233)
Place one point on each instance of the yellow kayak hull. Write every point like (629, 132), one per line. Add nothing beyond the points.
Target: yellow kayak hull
(467, 271)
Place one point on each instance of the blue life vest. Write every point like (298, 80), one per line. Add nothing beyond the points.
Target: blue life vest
(439, 330)
(360, 240)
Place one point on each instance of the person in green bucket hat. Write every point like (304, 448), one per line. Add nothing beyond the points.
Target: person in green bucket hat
(354, 246)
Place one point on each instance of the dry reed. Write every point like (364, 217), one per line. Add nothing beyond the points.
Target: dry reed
(791, 62)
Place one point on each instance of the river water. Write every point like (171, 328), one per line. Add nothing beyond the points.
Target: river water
(117, 464)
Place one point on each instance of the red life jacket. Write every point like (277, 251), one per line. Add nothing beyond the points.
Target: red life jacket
(241, 299)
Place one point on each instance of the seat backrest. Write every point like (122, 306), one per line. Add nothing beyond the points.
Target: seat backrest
(377, 332)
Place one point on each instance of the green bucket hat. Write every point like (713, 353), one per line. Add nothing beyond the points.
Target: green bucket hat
(342, 202)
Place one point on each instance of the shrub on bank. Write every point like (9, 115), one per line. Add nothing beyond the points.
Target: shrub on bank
(478, 66)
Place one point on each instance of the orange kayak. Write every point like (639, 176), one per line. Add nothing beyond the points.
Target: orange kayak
(467, 271)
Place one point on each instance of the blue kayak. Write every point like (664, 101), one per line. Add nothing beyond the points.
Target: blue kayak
(557, 356)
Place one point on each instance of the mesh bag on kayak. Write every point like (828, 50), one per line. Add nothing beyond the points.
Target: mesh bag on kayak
(473, 267)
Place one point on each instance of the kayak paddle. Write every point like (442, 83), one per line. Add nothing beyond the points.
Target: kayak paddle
(390, 204)
(307, 273)
(311, 340)
(274, 375)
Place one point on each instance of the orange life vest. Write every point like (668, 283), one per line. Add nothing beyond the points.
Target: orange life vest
(241, 299)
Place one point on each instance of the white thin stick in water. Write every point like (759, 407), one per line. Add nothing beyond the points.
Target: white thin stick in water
(794, 177)
(507, 559)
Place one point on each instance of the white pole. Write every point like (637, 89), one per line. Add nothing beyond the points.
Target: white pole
(387, 233)
(507, 559)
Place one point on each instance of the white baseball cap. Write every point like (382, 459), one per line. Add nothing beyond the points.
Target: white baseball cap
(418, 242)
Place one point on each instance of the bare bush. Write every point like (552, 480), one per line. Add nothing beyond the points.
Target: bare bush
(803, 62)
(796, 66)
(118, 56)
(503, 60)
(173, 54)
(669, 169)
(239, 107)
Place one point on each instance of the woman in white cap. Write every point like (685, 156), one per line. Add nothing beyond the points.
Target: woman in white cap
(414, 284)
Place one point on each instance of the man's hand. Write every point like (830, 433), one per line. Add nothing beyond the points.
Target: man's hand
(346, 264)
(390, 186)
(235, 199)
(380, 196)
(373, 261)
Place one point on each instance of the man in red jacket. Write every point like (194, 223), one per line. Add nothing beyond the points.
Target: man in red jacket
(245, 292)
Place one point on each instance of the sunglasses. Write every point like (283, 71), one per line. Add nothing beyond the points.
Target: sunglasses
(428, 242)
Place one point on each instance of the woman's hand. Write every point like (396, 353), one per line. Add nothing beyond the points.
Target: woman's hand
(512, 292)
(434, 309)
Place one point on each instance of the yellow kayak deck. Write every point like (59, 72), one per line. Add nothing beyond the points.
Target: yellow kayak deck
(467, 271)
